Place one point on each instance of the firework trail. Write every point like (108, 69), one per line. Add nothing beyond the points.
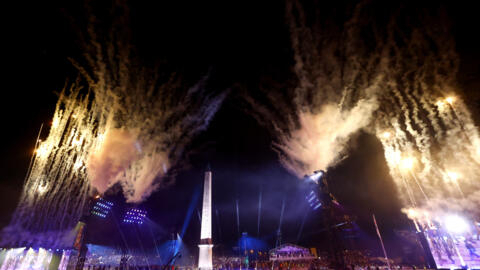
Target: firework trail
(393, 76)
(337, 77)
(56, 189)
(430, 141)
(128, 128)
(147, 120)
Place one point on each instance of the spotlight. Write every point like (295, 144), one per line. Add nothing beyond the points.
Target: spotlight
(102, 207)
(456, 224)
(135, 216)
(315, 177)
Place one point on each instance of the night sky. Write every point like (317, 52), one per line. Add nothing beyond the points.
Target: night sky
(241, 45)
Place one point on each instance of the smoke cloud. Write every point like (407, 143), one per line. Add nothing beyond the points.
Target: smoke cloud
(393, 76)
(144, 120)
(338, 77)
(116, 153)
(121, 123)
(322, 137)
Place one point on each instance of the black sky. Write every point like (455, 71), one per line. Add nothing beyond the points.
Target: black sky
(241, 43)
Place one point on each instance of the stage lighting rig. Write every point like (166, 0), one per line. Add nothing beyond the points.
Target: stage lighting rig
(101, 208)
(135, 216)
(317, 191)
(319, 197)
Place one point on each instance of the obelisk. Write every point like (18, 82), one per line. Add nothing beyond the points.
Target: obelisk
(205, 255)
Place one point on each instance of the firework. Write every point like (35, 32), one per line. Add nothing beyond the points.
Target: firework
(121, 124)
(393, 77)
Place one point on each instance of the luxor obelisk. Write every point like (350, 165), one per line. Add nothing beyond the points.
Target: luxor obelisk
(206, 254)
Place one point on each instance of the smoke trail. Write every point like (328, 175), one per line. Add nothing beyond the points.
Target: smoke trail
(148, 129)
(391, 75)
(321, 138)
(146, 120)
(129, 126)
(429, 137)
(55, 191)
(335, 93)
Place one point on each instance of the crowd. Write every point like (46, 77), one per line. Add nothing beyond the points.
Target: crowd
(265, 265)
(352, 260)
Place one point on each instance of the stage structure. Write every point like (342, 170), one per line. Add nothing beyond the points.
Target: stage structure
(290, 252)
(205, 255)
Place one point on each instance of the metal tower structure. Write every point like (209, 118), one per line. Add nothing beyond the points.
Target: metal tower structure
(205, 256)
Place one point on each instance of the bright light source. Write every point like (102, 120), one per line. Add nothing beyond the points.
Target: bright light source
(55, 122)
(42, 189)
(450, 100)
(453, 176)
(77, 142)
(42, 150)
(407, 163)
(393, 157)
(101, 137)
(315, 177)
(386, 135)
(77, 165)
(412, 213)
(456, 224)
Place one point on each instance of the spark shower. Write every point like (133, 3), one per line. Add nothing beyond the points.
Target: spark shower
(392, 76)
(118, 125)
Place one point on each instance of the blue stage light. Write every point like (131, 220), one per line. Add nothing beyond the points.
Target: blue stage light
(102, 208)
(135, 216)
